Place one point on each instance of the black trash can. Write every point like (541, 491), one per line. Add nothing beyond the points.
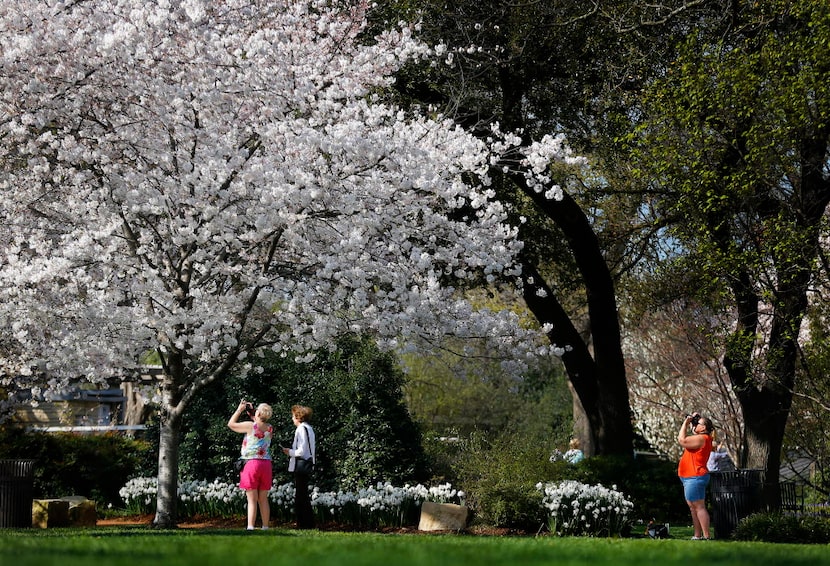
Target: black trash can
(16, 488)
(736, 494)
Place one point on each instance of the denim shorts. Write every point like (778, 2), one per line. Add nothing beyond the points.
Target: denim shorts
(694, 488)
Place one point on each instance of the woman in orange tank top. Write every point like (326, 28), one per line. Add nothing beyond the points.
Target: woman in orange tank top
(692, 469)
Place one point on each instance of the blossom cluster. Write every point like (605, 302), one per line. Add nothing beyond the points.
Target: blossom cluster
(207, 180)
(578, 509)
(291, 148)
(380, 505)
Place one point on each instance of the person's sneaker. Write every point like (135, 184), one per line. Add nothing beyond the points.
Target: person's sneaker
(250, 528)
(697, 538)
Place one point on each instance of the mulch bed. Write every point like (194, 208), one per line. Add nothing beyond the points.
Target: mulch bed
(207, 523)
(190, 523)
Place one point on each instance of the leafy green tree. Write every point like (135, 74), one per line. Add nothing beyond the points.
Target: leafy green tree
(374, 439)
(449, 396)
(735, 141)
(808, 431)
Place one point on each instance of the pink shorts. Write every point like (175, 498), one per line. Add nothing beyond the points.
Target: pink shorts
(256, 475)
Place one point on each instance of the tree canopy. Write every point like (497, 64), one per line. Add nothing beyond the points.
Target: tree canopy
(206, 180)
(735, 144)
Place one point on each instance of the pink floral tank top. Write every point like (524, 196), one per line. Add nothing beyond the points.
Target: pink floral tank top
(257, 444)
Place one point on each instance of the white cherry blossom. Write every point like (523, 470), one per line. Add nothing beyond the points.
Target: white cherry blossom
(205, 179)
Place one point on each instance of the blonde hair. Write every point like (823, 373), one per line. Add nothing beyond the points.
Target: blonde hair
(265, 411)
(574, 443)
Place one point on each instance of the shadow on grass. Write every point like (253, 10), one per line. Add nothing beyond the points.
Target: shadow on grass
(145, 530)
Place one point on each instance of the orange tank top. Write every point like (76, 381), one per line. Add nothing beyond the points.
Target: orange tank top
(693, 462)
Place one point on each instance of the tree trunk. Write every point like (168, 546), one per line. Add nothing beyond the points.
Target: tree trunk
(582, 426)
(596, 371)
(766, 399)
(168, 471)
(595, 367)
(764, 430)
(172, 407)
(598, 379)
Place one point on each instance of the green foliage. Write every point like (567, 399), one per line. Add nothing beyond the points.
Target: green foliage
(777, 527)
(363, 428)
(493, 436)
(808, 427)
(443, 452)
(94, 466)
(370, 436)
(500, 477)
(726, 133)
(454, 396)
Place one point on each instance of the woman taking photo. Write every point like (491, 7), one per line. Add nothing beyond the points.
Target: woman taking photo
(256, 476)
(695, 437)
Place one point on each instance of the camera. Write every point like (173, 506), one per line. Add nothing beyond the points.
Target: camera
(695, 419)
(249, 408)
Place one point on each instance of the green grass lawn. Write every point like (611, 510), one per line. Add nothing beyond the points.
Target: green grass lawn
(140, 545)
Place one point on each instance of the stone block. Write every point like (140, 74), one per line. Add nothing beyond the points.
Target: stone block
(442, 517)
(50, 513)
(81, 511)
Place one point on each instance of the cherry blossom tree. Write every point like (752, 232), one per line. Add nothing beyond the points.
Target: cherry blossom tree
(202, 180)
(673, 355)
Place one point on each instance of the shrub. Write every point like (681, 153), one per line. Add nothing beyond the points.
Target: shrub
(777, 527)
(507, 505)
(442, 451)
(500, 478)
(94, 466)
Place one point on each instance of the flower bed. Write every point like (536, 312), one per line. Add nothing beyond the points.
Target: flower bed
(572, 508)
(382, 505)
(578, 509)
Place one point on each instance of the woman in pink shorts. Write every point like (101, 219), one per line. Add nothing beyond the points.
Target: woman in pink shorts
(256, 475)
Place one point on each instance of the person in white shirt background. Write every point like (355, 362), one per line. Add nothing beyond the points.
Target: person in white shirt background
(302, 457)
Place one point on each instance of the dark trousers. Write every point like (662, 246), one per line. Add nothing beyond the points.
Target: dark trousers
(302, 502)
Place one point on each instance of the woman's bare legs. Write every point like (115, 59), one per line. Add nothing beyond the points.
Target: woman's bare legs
(264, 508)
(258, 497)
(251, 495)
(700, 517)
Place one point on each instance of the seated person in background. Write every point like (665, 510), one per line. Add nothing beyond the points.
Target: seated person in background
(574, 454)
